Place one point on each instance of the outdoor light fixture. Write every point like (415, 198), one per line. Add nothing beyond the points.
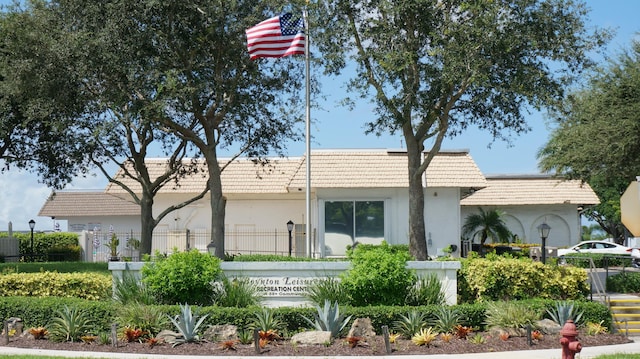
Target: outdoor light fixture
(544, 230)
(211, 248)
(290, 228)
(32, 225)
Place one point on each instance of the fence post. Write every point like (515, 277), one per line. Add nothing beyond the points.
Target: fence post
(188, 246)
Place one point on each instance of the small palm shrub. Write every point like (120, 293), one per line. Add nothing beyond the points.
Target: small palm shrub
(564, 311)
(187, 323)
(329, 319)
(69, 325)
(426, 291)
(510, 315)
(236, 292)
(410, 324)
(266, 320)
(145, 317)
(446, 319)
(326, 289)
(129, 289)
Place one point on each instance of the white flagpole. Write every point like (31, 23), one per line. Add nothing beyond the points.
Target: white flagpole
(308, 133)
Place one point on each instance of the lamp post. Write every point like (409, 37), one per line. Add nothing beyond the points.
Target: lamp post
(543, 230)
(32, 225)
(290, 228)
(211, 248)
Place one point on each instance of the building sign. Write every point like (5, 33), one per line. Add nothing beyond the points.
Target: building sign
(282, 286)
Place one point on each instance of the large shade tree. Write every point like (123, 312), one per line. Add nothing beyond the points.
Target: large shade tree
(39, 100)
(433, 68)
(596, 136)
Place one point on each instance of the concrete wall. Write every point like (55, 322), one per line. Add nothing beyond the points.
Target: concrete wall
(283, 283)
(524, 220)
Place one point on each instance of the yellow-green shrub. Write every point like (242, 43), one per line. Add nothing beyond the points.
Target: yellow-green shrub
(90, 286)
(502, 278)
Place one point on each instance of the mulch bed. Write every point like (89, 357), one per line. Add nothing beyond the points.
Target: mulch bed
(339, 347)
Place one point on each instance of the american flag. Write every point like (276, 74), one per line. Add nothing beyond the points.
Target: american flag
(278, 36)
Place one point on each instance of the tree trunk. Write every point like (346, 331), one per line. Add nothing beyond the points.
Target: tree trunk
(218, 205)
(417, 237)
(147, 223)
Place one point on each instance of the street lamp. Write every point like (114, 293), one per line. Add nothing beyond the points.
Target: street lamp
(211, 248)
(32, 224)
(290, 228)
(544, 230)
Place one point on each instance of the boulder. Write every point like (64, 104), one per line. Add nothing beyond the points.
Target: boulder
(168, 336)
(221, 333)
(548, 326)
(362, 328)
(312, 338)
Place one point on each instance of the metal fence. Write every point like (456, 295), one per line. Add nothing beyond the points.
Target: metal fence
(257, 241)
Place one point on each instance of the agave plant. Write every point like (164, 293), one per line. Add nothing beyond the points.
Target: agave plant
(446, 319)
(329, 319)
(410, 324)
(564, 311)
(266, 320)
(69, 324)
(187, 324)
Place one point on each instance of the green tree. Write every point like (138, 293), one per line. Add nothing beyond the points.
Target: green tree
(39, 100)
(438, 67)
(485, 225)
(597, 136)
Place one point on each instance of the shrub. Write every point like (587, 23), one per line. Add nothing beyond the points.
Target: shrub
(81, 285)
(330, 289)
(500, 278)
(378, 275)
(129, 289)
(510, 315)
(147, 318)
(236, 292)
(69, 324)
(182, 277)
(427, 290)
(624, 282)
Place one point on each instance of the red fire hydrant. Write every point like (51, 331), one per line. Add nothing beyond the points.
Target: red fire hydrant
(570, 345)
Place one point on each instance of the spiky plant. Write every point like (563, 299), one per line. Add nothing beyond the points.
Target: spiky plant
(329, 319)
(426, 291)
(236, 292)
(129, 289)
(446, 319)
(410, 324)
(145, 317)
(187, 323)
(563, 311)
(510, 315)
(329, 289)
(424, 337)
(267, 320)
(69, 324)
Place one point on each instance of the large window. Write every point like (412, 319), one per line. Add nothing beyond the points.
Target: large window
(346, 222)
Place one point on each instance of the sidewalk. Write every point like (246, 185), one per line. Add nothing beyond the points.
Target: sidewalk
(588, 352)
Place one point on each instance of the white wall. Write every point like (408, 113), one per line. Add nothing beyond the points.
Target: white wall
(524, 220)
(442, 219)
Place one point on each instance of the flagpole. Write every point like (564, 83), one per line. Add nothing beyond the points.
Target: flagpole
(308, 133)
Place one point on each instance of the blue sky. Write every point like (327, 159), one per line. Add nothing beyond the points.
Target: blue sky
(22, 196)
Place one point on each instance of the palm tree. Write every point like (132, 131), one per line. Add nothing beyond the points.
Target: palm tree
(485, 225)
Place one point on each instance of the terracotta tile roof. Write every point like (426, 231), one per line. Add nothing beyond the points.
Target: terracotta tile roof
(80, 204)
(527, 190)
(385, 169)
(329, 169)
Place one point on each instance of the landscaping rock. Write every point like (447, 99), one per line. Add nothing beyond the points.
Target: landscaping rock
(548, 326)
(168, 336)
(221, 333)
(313, 337)
(362, 328)
(14, 323)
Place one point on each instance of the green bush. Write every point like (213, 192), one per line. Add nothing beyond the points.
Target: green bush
(182, 277)
(600, 260)
(624, 282)
(64, 253)
(60, 267)
(42, 242)
(378, 275)
(52, 284)
(501, 278)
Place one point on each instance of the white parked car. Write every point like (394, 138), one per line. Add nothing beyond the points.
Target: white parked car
(602, 247)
